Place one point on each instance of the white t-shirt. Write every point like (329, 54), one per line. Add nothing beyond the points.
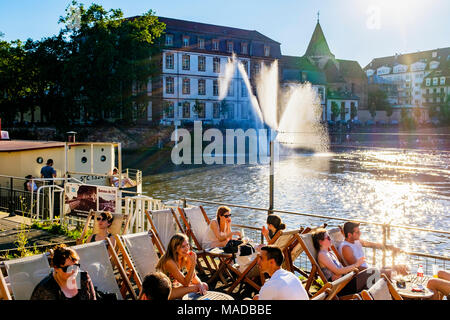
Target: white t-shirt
(283, 285)
(357, 249)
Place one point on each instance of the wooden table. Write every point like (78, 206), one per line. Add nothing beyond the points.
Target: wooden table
(209, 295)
(411, 281)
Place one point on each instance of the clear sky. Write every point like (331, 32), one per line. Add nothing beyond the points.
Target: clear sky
(355, 29)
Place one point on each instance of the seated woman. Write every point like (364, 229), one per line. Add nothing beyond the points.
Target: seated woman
(61, 284)
(274, 224)
(178, 263)
(332, 267)
(219, 231)
(104, 221)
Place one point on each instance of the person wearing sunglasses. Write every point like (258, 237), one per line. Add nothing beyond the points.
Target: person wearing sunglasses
(66, 281)
(104, 222)
(219, 231)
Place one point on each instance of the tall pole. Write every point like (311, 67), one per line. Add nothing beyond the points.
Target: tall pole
(271, 176)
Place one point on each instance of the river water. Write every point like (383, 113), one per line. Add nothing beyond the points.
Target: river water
(400, 187)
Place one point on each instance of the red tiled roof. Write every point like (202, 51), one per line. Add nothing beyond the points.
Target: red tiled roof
(20, 145)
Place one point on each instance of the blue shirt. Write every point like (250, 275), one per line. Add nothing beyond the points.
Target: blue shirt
(48, 171)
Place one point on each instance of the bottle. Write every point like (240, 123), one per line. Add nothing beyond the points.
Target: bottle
(420, 272)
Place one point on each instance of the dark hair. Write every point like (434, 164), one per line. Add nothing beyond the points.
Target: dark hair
(349, 227)
(275, 220)
(317, 235)
(221, 211)
(49, 161)
(108, 216)
(60, 253)
(273, 252)
(157, 286)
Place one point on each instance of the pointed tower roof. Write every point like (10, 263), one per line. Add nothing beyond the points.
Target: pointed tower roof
(318, 46)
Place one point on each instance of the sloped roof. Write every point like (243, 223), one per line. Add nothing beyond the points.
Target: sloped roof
(20, 145)
(350, 68)
(332, 72)
(318, 45)
(293, 67)
(198, 27)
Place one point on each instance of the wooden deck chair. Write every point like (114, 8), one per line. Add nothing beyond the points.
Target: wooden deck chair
(381, 290)
(336, 286)
(322, 294)
(337, 237)
(139, 254)
(95, 259)
(119, 225)
(23, 275)
(164, 224)
(197, 224)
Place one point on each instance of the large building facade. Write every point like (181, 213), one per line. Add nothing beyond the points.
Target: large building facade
(193, 59)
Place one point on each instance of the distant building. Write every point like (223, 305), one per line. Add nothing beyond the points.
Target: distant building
(336, 80)
(436, 87)
(407, 72)
(193, 56)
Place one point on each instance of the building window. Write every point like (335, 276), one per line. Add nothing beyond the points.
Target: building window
(186, 86)
(186, 110)
(428, 82)
(244, 112)
(185, 41)
(266, 51)
(169, 85)
(169, 60)
(215, 45)
(435, 81)
(169, 39)
(201, 87)
(201, 43)
(201, 63)
(169, 109)
(215, 88)
(244, 48)
(442, 81)
(230, 46)
(216, 65)
(231, 112)
(201, 110)
(245, 65)
(230, 89)
(257, 67)
(216, 110)
(186, 62)
(320, 92)
(244, 92)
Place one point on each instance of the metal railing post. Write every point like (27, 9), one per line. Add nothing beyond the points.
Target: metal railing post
(184, 203)
(11, 198)
(383, 260)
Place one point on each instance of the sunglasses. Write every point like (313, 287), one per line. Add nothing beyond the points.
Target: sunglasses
(226, 215)
(101, 219)
(64, 269)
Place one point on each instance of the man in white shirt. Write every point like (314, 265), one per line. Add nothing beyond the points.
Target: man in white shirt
(352, 249)
(282, 285)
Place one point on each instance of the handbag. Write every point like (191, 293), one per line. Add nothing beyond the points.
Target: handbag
(232, 246)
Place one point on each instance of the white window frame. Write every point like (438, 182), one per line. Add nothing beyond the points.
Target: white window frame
(216, 64)
(201, 43)
(202, 64)
(169, 40)
(170, 85)
(244, 45)
(201, 87)
(267, 51)
(169, 60)
(215, 45)
(186, 62)
(186, 86)
(186, 44)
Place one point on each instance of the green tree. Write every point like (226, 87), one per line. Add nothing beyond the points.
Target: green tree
(444, 111)
(377, 101)
(335, 110)
(353, 111)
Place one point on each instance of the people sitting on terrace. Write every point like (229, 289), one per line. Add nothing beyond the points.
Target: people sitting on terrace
(114, 180)
(440, 285)
(219, 231)
(104, 222)
(282, 285)
(178, 263)
(156, 287)
(274, 224)
(332, 267)
(29, 184)
(62, 283)
(352, 249)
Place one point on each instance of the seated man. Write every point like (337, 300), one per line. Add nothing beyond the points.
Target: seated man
(352, 249)
(156, 286)
(282, 285)
(440, 286)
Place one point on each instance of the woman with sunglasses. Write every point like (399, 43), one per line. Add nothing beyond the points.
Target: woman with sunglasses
(104, 222)
(219, 231)
(67, 281)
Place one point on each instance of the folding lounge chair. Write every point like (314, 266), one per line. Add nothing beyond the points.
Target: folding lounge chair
(197, 223)
(381, 290)
(95, 259)
(4, 291)
(337, 237)
(164, 224)
(336, 286)
(119, 225)
(139, 254)
(24, 274)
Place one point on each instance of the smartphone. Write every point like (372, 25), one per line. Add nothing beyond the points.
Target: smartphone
(74, 281)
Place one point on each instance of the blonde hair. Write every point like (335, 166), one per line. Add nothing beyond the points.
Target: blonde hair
(171, 252)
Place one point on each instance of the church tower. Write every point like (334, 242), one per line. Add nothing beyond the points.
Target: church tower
(318, 51)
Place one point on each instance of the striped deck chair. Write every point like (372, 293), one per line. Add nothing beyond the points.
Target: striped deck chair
(95, 259)
(139, 254)
(164, 224)
(119, 225)
(23, 275)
